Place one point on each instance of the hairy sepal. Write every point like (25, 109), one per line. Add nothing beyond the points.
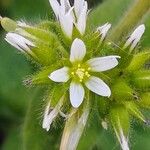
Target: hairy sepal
(138, 61)
(141, 79)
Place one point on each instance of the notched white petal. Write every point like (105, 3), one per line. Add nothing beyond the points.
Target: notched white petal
(50, 114)
(81, 21)
(19, 42)
(103, 30)
(55, 6)
(76, 94)
(98, 86)
(60, 75)
(66, 22)
(78, 50)
(135, 37)
(103, 63)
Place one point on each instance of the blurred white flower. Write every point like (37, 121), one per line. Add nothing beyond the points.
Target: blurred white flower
(135, 37)
(103, 30)
(80, 73)
(19, 42)
(51, 113)
(67, 15)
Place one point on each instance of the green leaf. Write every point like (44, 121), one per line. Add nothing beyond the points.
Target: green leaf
(13, 140)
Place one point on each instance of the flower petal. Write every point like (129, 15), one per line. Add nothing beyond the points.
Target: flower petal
(98, 86)
(50, 116)
(76, 94)
(78, 6)
(65, 5)
(78, 50)
(55, 6)
(66, 22)
(81, 21)
(135, 37)
(60, 75)
(103, 63)
(103, 30)
(19, 42)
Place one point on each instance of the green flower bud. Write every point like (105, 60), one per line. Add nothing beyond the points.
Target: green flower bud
(8, 24)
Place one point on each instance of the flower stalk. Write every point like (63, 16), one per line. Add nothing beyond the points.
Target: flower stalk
(137, 11)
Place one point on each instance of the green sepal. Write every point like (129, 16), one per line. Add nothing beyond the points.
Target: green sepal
(49, 26)
(145, 100)
(103, 105)
(141, 79)
(47, 48)
(55, 28)
(134, 111)
(8, 24)
(41, 78)
(125, 60)
(121, 91)
(56, 93)
(138, 61)
(119, 119)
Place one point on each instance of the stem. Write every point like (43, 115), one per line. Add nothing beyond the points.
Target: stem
(131, 19)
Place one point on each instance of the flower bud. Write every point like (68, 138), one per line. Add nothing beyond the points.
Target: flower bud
(8, 24)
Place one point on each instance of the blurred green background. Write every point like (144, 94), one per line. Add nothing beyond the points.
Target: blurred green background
(18, 132)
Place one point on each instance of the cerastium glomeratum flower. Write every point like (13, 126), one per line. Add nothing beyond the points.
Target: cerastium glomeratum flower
(83, 70)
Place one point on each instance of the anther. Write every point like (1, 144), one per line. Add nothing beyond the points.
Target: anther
(79, 65)
(89, 68)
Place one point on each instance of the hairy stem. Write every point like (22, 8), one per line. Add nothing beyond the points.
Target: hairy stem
(131, 19)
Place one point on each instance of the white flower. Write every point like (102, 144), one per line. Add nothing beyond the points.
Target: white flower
(67, 17)
(80, 73)
(19, 42)
(50, 114)
(135, 37)
(103, 30)
(64, 14)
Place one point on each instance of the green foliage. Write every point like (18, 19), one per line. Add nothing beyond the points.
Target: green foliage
(34, 137)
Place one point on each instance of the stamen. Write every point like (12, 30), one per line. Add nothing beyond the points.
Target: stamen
(79, 65)
(72, 73)
(89, 68)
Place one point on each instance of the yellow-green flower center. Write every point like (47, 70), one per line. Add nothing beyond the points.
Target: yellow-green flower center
(80, 73)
